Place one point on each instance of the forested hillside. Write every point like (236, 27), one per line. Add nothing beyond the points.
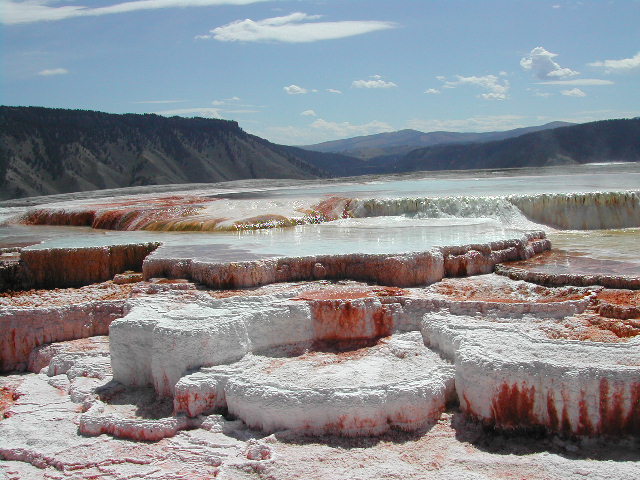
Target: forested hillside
(46, 151)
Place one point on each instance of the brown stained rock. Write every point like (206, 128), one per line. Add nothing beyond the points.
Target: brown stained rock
(128, 214)
(39, 298)
(476, 289)
(558, 268)
(8, 397)
(72, 267)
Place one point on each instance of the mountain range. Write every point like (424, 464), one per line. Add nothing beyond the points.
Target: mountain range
(404, 141)
(47, 151)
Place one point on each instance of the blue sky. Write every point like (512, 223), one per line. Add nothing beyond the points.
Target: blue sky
(306, 71)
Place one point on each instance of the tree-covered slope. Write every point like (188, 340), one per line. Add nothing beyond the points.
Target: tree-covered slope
(603, 141)
(45, 151)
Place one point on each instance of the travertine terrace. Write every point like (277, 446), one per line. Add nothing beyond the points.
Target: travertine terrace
(235, 356)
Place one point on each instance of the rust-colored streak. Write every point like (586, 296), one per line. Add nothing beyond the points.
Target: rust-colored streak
(613, 418)
(333, 208)
(349, 293)
(585, 425)
(82, 218)
(8, 396)
(469, 407)
(552, 411)
(513, 407)
(150, 213)
(566, 423)
(383, 322)
(632, 421)
(337, 320)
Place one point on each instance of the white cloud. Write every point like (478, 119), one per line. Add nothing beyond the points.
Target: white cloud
(432, 91)
(618, 65)
(579, 82)
(542, 64)
(321, 130)
(295, 90)
(226, 101)
(53, 71)
(297, 27)
(490, 123)
(333, 90)
(192, 112)
(30, 11)
(241, 110)
(346, 129)
(309, 113)
(375, 81)
(498, 89)
(574, 92)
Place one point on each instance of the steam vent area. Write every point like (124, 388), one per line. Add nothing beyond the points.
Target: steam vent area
(470, 328)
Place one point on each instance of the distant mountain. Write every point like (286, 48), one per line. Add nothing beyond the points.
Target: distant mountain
(403, 141)
(49, 151)
(46, 151)
(603, 141)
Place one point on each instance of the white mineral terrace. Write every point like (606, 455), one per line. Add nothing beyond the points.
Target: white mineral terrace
(392, 329)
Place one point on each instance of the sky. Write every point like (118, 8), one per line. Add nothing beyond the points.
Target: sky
(299, 72)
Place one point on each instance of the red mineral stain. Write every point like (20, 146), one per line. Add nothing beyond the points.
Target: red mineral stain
(469, 407)
(125, 215)
(350, 293)
(383, 322)
(613, 418)
(337, 293)
(552, 412)
(611, 409)
(59, 217)
(8, 396)
(566, 423)
(333, 208)
(513, 407)
(585, 425)
(632, 422)
(339, 320)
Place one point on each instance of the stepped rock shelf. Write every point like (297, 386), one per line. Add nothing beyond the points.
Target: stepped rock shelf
(426, 326)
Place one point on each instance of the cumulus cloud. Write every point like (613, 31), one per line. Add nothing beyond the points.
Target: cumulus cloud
(346, 129)
(295, 90)
(309, 113)
(579, 82)
(542, 64)
(618, 65)
(432, 91)
(53, 71)
(497, 89)
(30, 11)
(574, 92)
(375, 81)
(333, 90)
(297, 27)
(321, 130)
